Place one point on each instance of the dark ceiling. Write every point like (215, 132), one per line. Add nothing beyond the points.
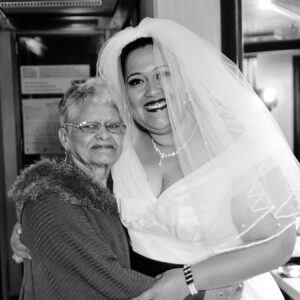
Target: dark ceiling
(262, 20)
(15, 8)
(55, 14)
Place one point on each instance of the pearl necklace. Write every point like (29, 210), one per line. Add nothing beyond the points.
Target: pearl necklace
(163, 155)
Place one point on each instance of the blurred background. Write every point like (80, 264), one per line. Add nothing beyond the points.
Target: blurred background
(47, 45)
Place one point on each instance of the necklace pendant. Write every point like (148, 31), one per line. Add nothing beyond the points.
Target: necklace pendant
(163, 155)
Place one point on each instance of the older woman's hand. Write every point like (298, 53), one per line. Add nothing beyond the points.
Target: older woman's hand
(169, 286)
(21, 252)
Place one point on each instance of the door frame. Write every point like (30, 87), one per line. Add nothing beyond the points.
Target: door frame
(296, 88)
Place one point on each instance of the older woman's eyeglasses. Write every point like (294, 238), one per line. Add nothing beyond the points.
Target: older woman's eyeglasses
(93, 127)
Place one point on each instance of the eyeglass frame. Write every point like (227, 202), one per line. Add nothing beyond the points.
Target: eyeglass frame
(104, 124)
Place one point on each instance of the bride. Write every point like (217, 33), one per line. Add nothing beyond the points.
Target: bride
(206, 179)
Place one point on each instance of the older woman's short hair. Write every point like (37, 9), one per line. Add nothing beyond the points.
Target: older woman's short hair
(78, 94)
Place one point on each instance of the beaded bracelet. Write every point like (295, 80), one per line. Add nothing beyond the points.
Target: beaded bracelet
(188, 275)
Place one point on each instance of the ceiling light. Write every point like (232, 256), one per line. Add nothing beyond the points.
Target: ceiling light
(265, 4)
(63, 3)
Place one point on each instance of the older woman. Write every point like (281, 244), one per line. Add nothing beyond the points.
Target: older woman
(69, 216)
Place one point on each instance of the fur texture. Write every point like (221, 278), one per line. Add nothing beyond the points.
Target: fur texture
(66, 180)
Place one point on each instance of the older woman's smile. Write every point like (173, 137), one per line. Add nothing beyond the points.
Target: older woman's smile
(103, 147)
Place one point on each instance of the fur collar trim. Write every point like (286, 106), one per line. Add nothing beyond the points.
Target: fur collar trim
(64, 178)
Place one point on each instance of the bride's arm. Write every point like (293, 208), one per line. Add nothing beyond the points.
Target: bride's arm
(227, 268)
(238, 265)
(21, 252)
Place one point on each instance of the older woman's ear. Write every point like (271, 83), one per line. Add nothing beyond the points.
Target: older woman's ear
(64, 138)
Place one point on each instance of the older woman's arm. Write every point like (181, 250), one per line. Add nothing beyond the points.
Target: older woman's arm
(74, 256)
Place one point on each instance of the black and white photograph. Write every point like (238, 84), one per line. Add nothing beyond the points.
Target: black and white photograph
(149, 150)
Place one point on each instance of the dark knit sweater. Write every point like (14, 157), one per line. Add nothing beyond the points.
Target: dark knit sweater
(78, 246)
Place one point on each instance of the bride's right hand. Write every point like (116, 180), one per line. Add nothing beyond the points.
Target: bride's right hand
(21, 252)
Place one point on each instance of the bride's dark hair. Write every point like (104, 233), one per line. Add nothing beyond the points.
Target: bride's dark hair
(136, 44)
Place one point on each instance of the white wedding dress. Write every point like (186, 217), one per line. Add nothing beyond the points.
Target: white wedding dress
(164, 228)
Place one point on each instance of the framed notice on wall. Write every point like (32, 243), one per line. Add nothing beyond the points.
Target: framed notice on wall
(42, 87)
(52, 79)
(40, 126)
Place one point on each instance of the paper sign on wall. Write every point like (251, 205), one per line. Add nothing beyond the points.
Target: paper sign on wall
(40, 125)
(54, 79)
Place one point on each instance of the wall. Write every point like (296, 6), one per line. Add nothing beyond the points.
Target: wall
(146, 9)
(276, 70)
(201, 16)
(8, 144)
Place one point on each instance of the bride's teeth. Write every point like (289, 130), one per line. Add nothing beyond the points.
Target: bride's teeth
(156, 105)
